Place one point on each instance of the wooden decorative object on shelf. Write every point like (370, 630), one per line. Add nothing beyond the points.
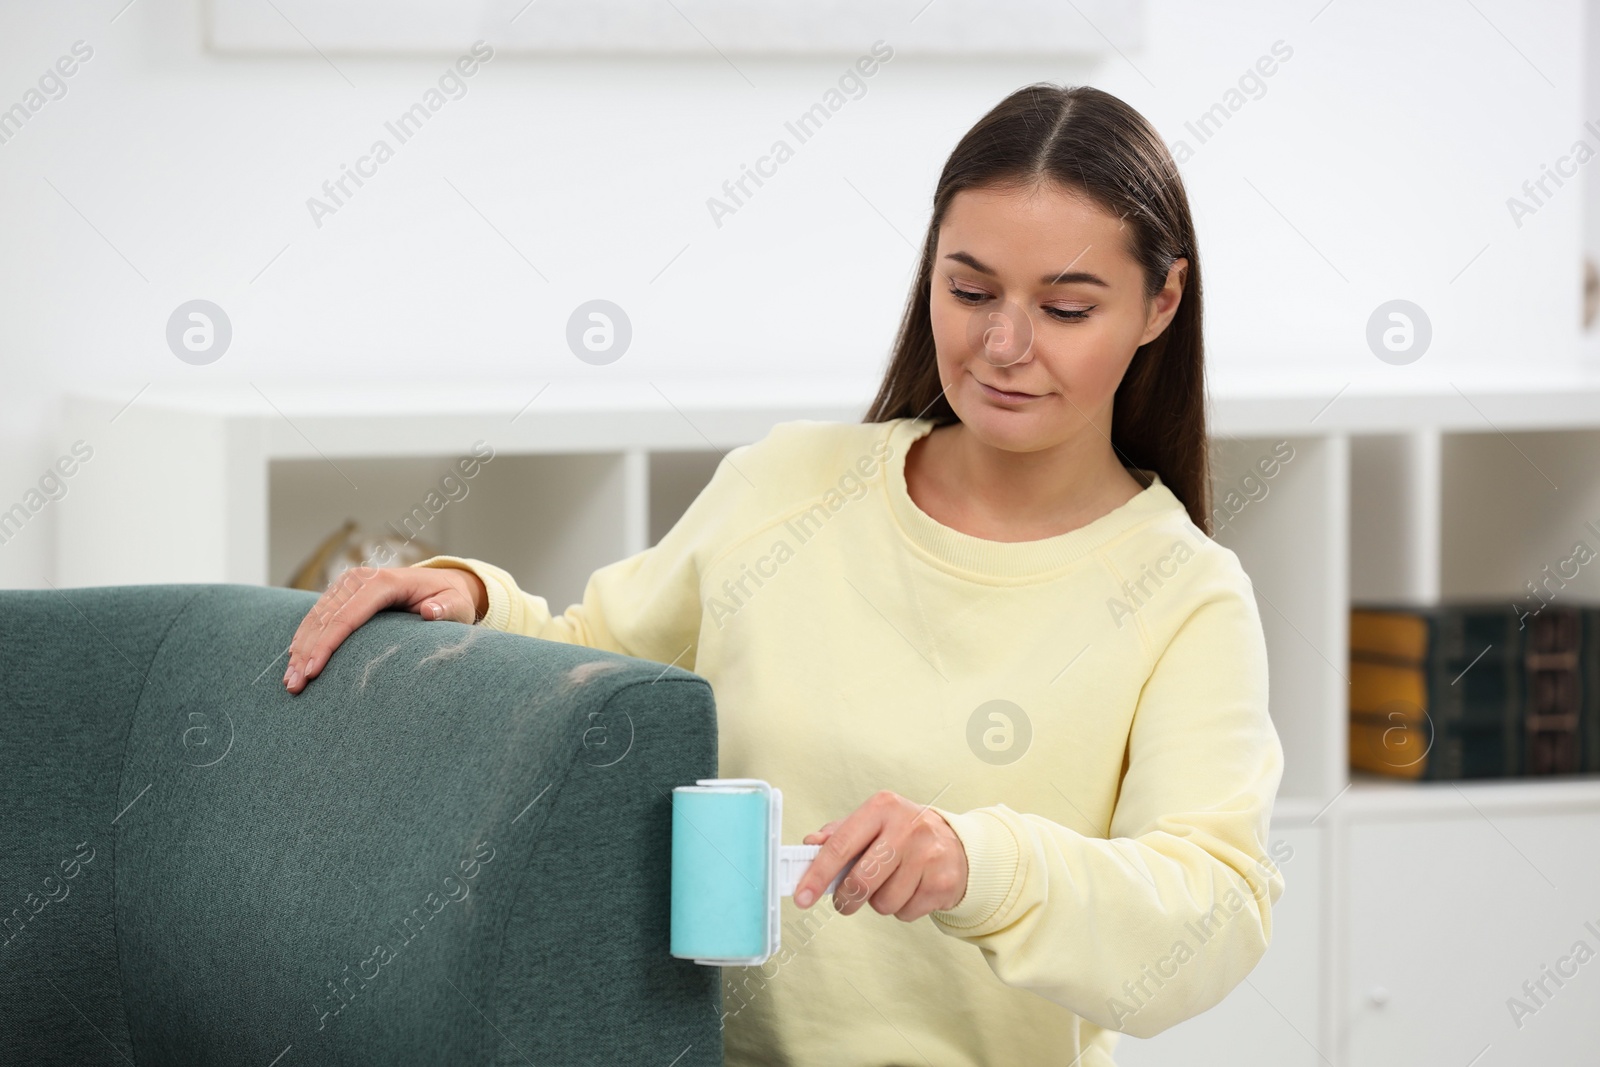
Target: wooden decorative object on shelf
(349, 547)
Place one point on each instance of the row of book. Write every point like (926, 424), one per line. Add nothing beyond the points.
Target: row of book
(1475, 690)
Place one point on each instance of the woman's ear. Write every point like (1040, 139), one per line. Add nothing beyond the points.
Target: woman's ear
(1164, 305)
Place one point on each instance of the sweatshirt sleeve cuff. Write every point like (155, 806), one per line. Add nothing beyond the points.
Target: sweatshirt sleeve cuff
(493, 578)
(992, 861)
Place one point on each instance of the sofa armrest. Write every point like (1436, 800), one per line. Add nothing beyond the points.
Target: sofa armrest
(453, 846)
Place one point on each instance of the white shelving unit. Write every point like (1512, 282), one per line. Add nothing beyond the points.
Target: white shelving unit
(240, 483)
(1405, 901)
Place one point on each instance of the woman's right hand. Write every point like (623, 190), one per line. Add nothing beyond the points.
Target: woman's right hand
(435, 593)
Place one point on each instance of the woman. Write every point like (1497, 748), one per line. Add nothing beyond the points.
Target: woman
(982, 640)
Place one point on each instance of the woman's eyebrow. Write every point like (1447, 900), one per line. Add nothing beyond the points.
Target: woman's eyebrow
(1066, 277)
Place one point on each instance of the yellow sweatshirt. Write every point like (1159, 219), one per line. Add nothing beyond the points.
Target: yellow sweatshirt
(1088, 712)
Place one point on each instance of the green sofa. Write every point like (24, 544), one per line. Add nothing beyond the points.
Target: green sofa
(452, 848)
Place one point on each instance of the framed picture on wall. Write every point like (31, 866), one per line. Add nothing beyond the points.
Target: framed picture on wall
(979, 28)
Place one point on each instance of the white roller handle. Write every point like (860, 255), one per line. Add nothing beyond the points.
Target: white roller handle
(795, 860)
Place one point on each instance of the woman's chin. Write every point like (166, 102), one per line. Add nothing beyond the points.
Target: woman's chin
(1010, 429)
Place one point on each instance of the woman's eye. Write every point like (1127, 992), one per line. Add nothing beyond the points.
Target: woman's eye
(968, 296)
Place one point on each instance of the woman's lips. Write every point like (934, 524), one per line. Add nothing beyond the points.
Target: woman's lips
(1006, 397)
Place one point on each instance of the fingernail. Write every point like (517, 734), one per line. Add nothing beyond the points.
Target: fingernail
(294, 677)
(310, 665)
(435, 610)
(804, 898)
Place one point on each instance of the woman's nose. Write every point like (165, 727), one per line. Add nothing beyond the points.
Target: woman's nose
(1003, 336)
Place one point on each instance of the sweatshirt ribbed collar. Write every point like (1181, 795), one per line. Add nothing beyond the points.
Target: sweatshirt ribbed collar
(1008, 560)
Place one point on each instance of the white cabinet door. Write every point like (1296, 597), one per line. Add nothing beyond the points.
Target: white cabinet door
(1449, 916)
(1270, 1020)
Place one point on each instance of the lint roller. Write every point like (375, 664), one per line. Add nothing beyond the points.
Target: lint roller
(729, 870)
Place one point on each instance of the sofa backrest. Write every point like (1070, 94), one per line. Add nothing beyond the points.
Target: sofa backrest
(452, 847)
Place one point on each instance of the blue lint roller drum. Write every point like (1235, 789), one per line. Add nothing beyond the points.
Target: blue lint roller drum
(729, 870)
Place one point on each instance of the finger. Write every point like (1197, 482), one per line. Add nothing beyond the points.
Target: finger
(440, 604)
(942, 876)
(867, 878)
(816, 837)
(847, 841)
(350, 601)
(332, 609)
(896, 889)
(344, 611)
(925, 901)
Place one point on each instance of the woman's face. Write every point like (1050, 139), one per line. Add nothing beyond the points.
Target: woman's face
(1037, 310)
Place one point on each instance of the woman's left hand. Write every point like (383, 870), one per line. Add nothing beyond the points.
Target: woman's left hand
(912, 862)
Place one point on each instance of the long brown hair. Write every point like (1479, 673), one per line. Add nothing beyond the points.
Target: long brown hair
(1088, 141)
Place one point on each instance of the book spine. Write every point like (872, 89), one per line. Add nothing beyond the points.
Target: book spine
(1553, 695)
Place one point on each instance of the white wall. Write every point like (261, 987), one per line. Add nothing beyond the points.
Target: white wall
(1376, 164)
